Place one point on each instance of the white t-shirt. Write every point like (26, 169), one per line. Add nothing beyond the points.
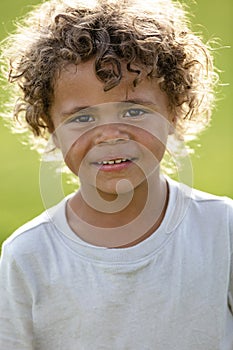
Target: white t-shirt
(173, 291)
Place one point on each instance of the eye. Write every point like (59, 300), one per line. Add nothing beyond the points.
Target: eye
(134, 113)
(83, 118)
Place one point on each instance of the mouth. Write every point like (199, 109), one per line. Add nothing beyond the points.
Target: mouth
(115, 161)
(114, 164)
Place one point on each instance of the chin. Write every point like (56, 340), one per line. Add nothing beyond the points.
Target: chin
(120, 187)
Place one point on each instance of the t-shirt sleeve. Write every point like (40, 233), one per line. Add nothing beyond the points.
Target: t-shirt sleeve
(15, 305)
(230, 220)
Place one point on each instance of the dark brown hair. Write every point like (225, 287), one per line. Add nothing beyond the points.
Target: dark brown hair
(152, 36)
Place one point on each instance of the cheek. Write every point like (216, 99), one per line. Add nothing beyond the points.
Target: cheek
(158, 149)
(75, 156)
(152, 146)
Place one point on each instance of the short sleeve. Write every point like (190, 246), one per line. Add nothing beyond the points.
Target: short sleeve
(230, 221)
(15, 305)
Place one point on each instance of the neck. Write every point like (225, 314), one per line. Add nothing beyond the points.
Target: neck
(125, 220)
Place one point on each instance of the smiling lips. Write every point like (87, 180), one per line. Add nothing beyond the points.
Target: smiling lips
(115, 164)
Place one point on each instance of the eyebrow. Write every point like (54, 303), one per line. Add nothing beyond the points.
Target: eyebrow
(93, 108)
(74, 110)
(139, 102)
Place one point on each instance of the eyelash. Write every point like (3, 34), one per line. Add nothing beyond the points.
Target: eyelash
(141, 112)
(86, 118)
(79, 118)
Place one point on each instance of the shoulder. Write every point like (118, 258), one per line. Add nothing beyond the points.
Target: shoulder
(214, 204)
(200, 208)
(202, 197)
(217, 210)
(29, 230)
(35, 235)
(199, 197)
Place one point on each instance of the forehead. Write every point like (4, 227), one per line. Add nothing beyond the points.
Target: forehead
(78, 87)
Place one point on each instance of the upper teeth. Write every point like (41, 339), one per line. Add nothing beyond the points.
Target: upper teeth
(113, 161)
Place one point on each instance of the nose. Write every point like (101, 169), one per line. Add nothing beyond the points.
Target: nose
(110, 134)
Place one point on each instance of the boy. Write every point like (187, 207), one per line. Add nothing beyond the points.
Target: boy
(133, 260)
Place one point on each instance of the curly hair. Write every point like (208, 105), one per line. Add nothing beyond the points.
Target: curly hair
(152, 36)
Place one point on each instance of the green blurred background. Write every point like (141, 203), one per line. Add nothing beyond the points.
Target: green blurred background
(212, 163)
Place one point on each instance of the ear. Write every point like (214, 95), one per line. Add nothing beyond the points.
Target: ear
(172, 126)
(55, 140)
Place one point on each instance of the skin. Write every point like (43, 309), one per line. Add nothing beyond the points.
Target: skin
(110, 132)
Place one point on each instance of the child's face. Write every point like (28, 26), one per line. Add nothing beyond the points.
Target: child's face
(109, 136)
